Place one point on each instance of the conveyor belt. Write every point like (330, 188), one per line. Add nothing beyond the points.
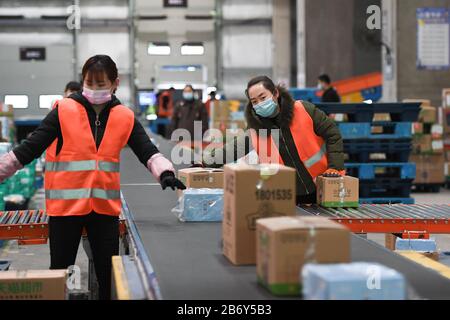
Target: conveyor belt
(187, 257)
(389, 218)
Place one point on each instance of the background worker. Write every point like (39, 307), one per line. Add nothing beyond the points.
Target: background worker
(187, 111)
(84, 135)
(329, 93)
(72, 87)
(309, 141)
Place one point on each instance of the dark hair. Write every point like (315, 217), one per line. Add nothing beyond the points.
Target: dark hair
(189, 86)
(325, 78)
(98, 64)
(73, 86)
(264, 80)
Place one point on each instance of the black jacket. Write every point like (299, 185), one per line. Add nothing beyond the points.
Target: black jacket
(323, 127)
(186, 112)
(50, 129)
(331, 95)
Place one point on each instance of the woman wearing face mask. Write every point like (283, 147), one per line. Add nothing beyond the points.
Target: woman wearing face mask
(309, 141)
(83, 136)
(188, 110)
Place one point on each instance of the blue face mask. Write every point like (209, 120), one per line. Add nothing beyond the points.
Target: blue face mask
(188, 96)
(266, 109)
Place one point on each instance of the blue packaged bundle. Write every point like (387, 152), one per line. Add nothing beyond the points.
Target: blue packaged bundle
(421, 245)
(200, 205)
(352, 281)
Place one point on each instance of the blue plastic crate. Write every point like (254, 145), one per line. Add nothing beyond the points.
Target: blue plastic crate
(421, 245)
(305, 94)
(381, 188)
(393, 150)
(371, 171)
(363, 112)
(391, 130)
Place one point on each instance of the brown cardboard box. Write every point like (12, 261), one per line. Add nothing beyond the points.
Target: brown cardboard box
(424, 102)
(429, 168)
(33, 285)
(447, 155)
(447, 169)
(229, 125)
(285, 244)
(417, 128)
(223, 108)
(389, 241)
(201, 178)
(253, 192)
(428, 114)
(422, 143)
(338, 192)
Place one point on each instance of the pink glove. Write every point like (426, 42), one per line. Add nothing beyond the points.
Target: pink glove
(157, 164)
(8, 165)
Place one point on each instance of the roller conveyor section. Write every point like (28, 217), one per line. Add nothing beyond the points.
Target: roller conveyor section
(186, 261)
(28, 225)
(389, 218)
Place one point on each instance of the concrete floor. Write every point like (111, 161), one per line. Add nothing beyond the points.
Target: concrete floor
(37, 256)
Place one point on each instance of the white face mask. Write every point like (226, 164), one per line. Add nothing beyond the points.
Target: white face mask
(97, 96)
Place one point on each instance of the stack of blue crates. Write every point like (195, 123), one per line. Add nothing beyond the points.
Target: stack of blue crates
(378, 151)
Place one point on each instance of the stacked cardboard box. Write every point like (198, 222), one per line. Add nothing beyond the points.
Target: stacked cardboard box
(446, 124)
(428, 147)
(227, 118)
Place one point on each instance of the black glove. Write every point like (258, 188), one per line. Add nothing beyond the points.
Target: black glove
(196, 165)
(168, 179)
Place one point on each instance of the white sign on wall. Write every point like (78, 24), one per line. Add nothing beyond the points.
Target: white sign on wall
(433, 38)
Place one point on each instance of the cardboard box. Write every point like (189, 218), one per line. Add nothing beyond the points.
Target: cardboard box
(33, 285)
(422, 143)
(338, 192)
(228, 126)
(424, 102)
(447, 169)
(429, 168)
(201, 178)
(285, 244)
(253, 192)
(222, 109)
(428, 114)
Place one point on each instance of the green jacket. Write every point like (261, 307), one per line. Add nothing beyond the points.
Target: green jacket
(323, 127)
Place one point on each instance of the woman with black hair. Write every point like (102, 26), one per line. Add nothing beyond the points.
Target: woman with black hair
(83, 136)
(306, 138)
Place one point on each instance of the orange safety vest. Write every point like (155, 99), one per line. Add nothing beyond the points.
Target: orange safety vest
(82, 179)
(166, 110)
(310, 147)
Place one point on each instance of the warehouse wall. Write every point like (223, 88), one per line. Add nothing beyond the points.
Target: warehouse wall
(337, 41)
(411, 82)
(154, 23)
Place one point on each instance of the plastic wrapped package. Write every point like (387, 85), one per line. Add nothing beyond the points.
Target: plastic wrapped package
(421, 245)
(352, 281)
(200, 205)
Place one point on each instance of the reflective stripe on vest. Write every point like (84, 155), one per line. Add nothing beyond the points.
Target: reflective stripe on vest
(316, 158)
(83, 193)
(84, 165)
